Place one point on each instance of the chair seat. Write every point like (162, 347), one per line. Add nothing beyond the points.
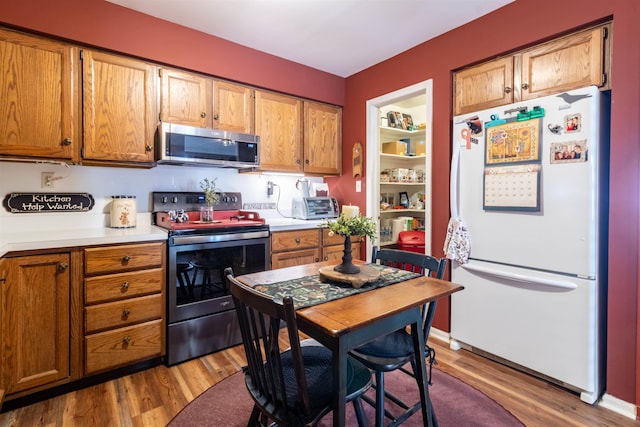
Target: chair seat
(395, 344)
(318, 373)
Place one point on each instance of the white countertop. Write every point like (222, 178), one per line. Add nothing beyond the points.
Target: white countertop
(32, 233)
(284, 224)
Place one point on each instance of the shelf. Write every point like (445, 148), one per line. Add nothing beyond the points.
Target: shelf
(396, 156)
(393, 132)
(400, 211)
(403, 183)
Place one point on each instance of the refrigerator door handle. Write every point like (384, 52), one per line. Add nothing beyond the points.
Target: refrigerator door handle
(566, 285)
(453, 183)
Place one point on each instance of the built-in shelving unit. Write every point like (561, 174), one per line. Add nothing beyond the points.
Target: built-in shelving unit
(384, 189)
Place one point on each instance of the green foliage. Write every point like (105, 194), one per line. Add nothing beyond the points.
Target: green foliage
(354, 226)
(209, 189)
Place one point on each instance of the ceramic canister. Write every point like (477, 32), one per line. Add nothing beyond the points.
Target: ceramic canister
(123, 212)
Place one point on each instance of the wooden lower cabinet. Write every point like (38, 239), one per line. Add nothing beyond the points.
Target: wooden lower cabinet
(122, 346)
(37, 314)
(124, 305)
(297, 247)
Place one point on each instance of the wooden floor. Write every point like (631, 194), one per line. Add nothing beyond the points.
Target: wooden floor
(154, 396)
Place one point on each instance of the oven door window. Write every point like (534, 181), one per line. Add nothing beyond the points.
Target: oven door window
(200, 273)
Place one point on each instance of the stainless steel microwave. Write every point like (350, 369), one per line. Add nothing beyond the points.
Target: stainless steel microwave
(194, 146)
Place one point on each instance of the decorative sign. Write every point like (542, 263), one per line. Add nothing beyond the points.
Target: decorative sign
(513, 142)
(48, 202)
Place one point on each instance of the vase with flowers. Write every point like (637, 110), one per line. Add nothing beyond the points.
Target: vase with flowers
(211, 198)
(347, 226)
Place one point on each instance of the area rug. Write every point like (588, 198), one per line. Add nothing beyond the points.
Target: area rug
(228, 404)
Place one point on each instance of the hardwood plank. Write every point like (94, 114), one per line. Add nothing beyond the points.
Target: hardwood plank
(153, 397)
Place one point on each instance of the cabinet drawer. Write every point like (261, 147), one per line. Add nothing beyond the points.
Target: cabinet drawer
(123, 313)
(122, 258)
(122, 285)
(292, 258)
(123, 346)
(295, 239)
(336, 239)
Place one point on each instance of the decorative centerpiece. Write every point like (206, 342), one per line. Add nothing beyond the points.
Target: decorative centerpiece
(211, 198)
(350, 223)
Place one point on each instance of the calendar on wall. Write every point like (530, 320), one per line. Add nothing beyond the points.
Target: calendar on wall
(515, 187)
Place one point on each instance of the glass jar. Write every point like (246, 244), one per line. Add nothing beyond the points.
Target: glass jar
(206, 213)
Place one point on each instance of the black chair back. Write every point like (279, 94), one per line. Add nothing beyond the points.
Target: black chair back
(417, 263)
(268, 373)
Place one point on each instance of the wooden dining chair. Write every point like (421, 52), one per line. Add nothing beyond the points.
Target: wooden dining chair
(393, 351)
(291, 387)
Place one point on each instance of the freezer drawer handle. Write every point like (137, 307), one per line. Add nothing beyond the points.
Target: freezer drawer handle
(520, 277)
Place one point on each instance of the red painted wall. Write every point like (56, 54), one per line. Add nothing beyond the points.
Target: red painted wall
(513, 27)
(106, 25)
(524, 22)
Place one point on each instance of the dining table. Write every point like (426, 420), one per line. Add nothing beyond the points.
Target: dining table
(345, 322)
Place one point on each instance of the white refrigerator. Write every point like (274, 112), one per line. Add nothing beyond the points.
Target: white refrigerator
(530, 183)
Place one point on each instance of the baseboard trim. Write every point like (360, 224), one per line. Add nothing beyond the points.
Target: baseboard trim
(619, 406)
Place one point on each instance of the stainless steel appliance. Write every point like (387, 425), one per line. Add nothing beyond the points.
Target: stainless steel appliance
(315, 207)
(200, 312)
(189, 145)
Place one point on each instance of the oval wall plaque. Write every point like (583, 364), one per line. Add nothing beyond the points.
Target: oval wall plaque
(48, 202)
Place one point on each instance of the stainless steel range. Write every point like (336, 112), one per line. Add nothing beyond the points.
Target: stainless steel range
(200, 312)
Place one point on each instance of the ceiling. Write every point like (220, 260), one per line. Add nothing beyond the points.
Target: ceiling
(340, 37)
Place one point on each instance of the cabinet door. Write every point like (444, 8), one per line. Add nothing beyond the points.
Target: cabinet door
(322, 139)
(484, 86)
(293, 258)
(233, 107)
(35, 321)
(567, 63)
(120, 108)
(279, 124)
(185, 98)
(40, 103)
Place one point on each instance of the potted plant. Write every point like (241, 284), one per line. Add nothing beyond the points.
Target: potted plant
(211, 197)
(348, 226)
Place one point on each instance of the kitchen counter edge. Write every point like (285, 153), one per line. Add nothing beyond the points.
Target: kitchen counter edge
(25, 241)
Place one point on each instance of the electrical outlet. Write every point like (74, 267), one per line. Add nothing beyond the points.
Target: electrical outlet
(269, 188)
(46, 179)
(358, 186)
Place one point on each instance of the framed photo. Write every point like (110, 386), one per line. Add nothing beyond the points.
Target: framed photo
(407, 121)
(395, 120)
(404, 199)
(569, 152)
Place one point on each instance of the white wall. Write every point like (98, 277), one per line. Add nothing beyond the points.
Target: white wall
(103, 182)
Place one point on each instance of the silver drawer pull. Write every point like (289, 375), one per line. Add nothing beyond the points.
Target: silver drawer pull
(126, 340)
(224, 303)
(125, 313)
(125, 287)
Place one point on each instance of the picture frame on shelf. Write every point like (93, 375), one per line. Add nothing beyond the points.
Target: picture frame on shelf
(404, 199)
(395, 120)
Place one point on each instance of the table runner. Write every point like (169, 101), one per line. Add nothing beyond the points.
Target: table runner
(311, 290)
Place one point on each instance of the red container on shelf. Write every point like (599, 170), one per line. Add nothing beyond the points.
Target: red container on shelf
(413, 241)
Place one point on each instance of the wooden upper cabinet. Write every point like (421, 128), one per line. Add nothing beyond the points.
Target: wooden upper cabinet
(484, 86)
(35, 321)
(186, 98)
(567, 63)
(119, 109)
(39, 112)
(233, 107)
(322, 139)
(279, 125)
(571, 62)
